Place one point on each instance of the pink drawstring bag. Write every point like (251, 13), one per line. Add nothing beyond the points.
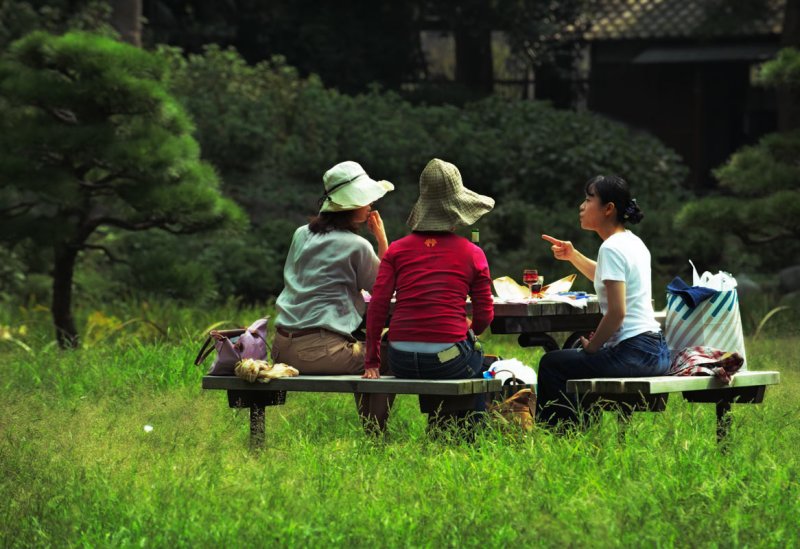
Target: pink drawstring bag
(233, 346)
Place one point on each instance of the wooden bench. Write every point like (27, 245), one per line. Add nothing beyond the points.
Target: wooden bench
(436, 397)
(651, 393)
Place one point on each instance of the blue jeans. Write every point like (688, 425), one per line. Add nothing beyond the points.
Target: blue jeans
(468, 364)
(643, 355)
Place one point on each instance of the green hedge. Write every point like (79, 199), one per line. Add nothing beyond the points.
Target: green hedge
(272, 134)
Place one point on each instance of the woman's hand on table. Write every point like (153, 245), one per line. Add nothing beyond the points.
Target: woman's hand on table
(562, 249)
(371, 373)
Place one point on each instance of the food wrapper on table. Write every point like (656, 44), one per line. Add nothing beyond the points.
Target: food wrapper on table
(509, 291)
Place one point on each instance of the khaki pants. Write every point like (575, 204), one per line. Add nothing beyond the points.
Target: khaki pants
(329, 353)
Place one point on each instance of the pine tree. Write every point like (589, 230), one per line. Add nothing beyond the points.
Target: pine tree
(760, 196)
(90, 138)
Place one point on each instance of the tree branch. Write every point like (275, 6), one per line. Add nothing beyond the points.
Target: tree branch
(766, 239)
(103, 181)
(128, 226)
(107, 253)
(63, 115)
(100, 184)
(22, 209)
(159, 223)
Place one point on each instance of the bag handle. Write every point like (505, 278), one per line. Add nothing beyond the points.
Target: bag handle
(218, 335)
(266, 343)
(201, 356)
(513, 377)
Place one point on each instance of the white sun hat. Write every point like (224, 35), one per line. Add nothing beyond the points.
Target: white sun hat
(348, 187)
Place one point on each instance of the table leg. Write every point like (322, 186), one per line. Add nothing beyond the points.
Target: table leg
(538, 340)
(574, 340)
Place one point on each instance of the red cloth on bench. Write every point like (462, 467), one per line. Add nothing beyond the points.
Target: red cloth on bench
(706, 361)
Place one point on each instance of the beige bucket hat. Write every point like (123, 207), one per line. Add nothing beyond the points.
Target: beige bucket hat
(348, 187)
(444, 202)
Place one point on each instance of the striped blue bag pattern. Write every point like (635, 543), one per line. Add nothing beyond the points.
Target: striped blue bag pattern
(715, 322)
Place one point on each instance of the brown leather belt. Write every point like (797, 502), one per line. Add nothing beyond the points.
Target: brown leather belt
(296, 333)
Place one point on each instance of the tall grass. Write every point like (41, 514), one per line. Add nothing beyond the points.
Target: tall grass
(78, 468)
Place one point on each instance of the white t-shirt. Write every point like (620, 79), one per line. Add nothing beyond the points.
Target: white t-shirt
(323, 278)
(624, 257)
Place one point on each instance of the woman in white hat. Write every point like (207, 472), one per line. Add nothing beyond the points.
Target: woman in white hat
(327, 267)
(433, 270)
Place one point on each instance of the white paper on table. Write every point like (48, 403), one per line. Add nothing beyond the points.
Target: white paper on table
(577, 303)
(509, 291)
(560, 285)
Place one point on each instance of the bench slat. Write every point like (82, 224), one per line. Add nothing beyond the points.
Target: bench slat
(669, 384)
(357, 384)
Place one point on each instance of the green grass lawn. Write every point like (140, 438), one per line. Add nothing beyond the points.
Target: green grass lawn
(78, 468)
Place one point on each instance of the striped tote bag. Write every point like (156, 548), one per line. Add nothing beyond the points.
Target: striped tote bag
(715, 322)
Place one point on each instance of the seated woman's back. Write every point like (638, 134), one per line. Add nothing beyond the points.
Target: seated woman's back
(434, 273)
(323, 275)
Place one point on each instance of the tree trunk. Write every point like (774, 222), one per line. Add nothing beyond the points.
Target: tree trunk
(64, 267)
(473, 37)
(474, 59)
(789, 98)
(126, 17)
(791, 24)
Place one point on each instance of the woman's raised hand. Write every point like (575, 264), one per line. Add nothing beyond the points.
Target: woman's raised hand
(562, 249)
(375, 224)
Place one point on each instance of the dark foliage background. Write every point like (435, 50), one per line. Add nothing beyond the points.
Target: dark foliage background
(271, 129)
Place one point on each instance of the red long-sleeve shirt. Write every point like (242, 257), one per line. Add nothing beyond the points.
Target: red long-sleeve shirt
(432, 273)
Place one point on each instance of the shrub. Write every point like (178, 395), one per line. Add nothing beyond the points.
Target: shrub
(271, 135)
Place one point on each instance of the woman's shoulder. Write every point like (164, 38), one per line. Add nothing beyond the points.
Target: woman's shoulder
(341, 239)
(301, 233)
(350, 238)
(624, 239)
(432, 239)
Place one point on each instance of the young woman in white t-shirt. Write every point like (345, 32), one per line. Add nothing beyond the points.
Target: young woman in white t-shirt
(628, 341)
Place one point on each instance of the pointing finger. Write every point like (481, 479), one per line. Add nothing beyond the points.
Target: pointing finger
(551, 240)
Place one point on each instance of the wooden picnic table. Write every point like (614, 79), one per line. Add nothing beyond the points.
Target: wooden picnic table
(536, 320)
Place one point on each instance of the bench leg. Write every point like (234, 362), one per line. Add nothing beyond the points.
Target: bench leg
(723, 399)
(256, 426)
(453, 414)
(256, 401)
(623, 405)
(723, 419)
(624, 415)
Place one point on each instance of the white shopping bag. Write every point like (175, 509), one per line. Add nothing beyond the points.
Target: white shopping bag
(720, 281)
(513, 368)
(715, 322)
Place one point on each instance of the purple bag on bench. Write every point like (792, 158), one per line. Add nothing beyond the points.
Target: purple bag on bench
(233, 346)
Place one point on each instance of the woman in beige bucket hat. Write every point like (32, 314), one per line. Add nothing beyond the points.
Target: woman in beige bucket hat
(433, 270)
(327, 267)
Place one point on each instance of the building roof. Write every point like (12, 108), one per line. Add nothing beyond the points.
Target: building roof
(647, 19)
